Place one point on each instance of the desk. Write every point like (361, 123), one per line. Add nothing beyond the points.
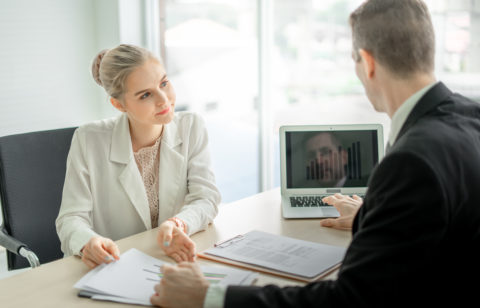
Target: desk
(51, 284)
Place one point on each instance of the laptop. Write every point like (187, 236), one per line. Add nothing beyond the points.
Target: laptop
(321, 160)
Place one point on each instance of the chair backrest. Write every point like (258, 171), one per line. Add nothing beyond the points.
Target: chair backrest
(32, 173)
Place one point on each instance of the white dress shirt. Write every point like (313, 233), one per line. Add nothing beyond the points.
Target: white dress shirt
(104, 193)
(402, 113)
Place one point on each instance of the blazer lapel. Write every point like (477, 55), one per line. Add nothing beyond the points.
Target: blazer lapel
(437, 94)
(130, 178)
(169, 169)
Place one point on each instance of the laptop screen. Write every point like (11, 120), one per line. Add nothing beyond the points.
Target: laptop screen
(325, 159)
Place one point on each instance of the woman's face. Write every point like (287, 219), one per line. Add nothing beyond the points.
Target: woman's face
(149, 97)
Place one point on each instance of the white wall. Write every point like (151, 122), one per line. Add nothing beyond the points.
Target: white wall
(46, 48)
(45, 54)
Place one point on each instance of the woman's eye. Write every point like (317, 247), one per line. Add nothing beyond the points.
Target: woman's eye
(145, 95)
(164, 83)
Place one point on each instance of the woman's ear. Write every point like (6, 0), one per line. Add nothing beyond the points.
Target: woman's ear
(368, 63)
(117, 104)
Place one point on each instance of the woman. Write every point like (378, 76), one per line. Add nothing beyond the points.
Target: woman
(146, 168)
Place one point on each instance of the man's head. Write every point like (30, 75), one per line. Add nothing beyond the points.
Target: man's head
(397, 33)
(393, 45)
(325, 151)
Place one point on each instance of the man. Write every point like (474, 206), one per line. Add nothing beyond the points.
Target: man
(416, 238)
(324, 151)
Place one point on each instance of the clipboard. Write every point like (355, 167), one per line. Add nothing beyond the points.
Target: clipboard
(321, 266)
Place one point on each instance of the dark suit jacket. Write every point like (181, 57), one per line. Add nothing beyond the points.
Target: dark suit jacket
(416, 239)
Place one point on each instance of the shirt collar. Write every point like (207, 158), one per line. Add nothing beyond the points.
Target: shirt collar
(400, 116)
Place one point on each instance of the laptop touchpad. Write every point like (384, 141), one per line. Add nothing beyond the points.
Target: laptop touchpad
(330, 212)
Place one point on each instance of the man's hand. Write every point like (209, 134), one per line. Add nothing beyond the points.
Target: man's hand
(346, 206)
(182, 285)
(175, 242)
(99, 250)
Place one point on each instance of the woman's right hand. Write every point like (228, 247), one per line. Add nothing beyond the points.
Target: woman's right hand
(99, 250)
(175, 243)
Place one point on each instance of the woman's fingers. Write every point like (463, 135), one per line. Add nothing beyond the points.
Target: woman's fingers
(112, 249)
(165, 234)
(99, 250)
(175, 243)
(176, 257)
(190, 252)
(188, 245)
(88, 262)
(179, 252)
(183, 255)
(99, 254)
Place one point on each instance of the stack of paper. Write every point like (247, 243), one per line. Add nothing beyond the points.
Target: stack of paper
(132, 278)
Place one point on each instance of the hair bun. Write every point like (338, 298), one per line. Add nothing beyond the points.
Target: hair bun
(96, 66)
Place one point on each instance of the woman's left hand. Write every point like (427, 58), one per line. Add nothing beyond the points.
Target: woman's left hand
(175, 242)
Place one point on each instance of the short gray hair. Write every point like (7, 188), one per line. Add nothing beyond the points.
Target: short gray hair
(110, 68)
(398, 33)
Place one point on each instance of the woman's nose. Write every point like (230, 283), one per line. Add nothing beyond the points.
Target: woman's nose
(161, 97)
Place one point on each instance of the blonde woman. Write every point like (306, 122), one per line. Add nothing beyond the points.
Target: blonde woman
(144, 169)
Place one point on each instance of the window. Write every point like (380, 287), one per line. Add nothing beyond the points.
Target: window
(212, 48)
(314, 79)
(457, 31)
(210, 51)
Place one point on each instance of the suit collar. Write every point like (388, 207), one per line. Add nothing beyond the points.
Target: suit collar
(170, 161)
(121, 152)
(171, 137)
(434, 97)
(121, 147)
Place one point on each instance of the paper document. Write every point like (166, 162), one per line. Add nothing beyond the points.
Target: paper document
(280, 253)
(132, 278)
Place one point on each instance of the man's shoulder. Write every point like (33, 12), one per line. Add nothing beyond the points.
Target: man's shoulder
(453, 120)
(445, 139)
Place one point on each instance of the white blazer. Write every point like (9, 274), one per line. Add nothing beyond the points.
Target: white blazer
(104, 193)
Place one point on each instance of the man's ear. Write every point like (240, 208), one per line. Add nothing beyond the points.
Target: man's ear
(368, 63)
(117, 104)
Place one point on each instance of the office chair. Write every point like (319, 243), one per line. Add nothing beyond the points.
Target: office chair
(32, 173)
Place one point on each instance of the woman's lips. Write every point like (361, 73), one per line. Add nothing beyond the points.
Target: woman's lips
(164, 111)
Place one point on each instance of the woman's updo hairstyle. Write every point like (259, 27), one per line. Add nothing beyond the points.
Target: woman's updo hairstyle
(111, 67)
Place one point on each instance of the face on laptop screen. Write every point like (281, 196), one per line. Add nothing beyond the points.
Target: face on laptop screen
(326, 159)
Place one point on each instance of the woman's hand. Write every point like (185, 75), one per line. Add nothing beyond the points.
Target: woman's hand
(175, 242)
(347, 207)
(99, 250)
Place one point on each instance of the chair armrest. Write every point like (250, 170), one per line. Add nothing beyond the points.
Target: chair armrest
(15, 246)
(10, 243)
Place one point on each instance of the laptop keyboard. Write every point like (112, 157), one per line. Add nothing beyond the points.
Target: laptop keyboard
(308, 201)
